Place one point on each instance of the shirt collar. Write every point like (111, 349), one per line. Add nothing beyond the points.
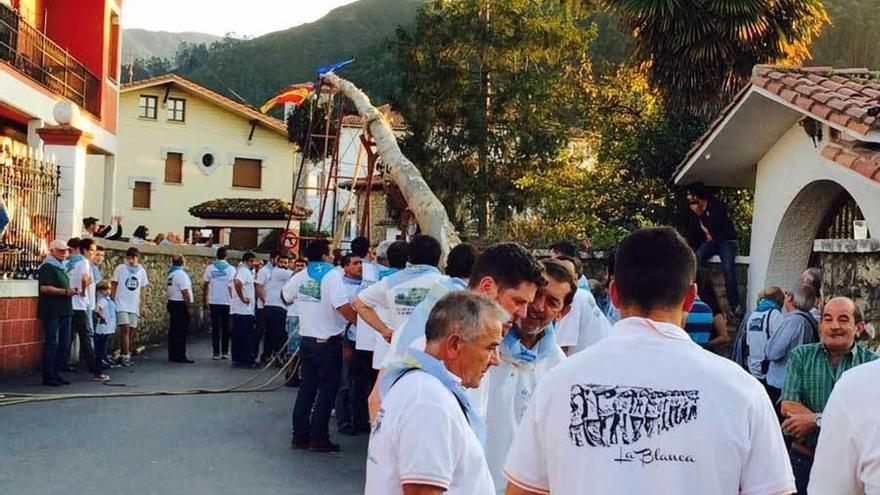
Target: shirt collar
(852, 351)
(635, 325)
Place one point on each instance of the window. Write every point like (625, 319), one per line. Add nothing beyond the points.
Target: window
(174, 168)
(247, 172)
(147, 107)
(141, 195)
(243, 238)
(177, 109)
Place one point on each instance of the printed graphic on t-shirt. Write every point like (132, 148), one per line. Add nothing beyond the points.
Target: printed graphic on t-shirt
(132, 282)
(312, 288)
(407, 299)
(609, 415)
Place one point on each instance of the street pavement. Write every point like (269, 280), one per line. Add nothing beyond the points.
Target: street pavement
(195, 444)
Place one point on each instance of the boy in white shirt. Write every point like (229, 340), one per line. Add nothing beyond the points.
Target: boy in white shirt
(105, 327)
(244, 354)
(647, 410)
(129, 280)
(217, 280)
(179, 307)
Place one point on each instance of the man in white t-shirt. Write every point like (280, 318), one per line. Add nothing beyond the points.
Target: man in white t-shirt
(216, 281)
(427, 437)
(585, 324)
(527, 353)
(79, 269)
(264, 273)
(128, 283)
(242, 307)
(849, 441)
(324, 311)
(179, 307)
(646, 410)
(269, 284)
(400, 293)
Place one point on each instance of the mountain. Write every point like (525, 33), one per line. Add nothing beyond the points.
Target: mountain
(142, 44)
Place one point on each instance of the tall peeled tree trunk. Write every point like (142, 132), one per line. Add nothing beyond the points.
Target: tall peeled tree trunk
(428, 210)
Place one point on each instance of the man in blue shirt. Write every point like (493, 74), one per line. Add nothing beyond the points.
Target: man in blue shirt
(799, 327)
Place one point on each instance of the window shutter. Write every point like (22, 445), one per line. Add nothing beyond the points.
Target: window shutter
(174, 168)
(141, 195)
(243, 238)
(247, 172)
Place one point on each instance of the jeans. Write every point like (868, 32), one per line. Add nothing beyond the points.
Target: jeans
(220, 328)
(82, 328)
(293, 334)
(343, 395)
(275, 320)
(801, 464)
(361, 378)
(101, 351)
(243, 340)
(178, 315)
(726, 250)
(56, 338)
(321, 368)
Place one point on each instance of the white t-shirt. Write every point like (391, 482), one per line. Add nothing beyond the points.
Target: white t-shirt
(85, 300)
(263, 275)
(108, 308)
(316, 303)
(760, 329)
(366, 335)
(399, 299)
(848, 454)
(218, 284)
(421, 436)
(273, 284)
(584, 325)
(130, 283)
(647, 410)
(178, 281)
(238, 306)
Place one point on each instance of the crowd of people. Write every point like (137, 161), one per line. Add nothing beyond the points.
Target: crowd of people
(506, 374)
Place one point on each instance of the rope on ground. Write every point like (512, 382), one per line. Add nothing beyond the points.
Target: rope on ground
(9, 399)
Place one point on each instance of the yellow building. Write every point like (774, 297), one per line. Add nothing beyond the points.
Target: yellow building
(181, 145)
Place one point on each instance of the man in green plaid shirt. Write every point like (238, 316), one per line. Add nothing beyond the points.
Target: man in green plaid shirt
(813, 369)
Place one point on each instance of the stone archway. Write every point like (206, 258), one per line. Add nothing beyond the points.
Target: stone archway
(793, 243)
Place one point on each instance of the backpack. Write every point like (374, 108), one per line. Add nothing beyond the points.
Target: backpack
(758, 326)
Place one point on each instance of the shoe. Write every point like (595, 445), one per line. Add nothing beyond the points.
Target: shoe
(126, 361)
(187, 360)
(224, 356)
(101, 378)
(324, 446)
(216, 357)
(62, 381)
(51, 383)
(70, 369)
(299, 443)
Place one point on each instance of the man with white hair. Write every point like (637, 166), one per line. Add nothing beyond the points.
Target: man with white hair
(427, 438)
(54, 309)
(798, 327)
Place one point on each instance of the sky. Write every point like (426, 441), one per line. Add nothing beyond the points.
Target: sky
(223, 16)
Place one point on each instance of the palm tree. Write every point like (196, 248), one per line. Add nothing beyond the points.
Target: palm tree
(700, 52)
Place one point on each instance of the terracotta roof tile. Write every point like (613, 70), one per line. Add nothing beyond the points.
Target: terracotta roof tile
(865, 162)
(805, 103)
(394, 118)
(839, 118)
(821, 111)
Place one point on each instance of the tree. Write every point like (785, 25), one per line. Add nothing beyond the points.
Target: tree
(489, 92)
(700, 52)
(853, 39)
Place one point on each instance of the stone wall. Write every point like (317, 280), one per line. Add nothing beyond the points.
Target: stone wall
(851, 268)
(153, 328)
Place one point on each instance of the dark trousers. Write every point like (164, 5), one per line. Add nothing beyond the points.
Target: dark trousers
(220, 328)
(360, 381)
(275, 320)
(101, 351)
(243, 339)
(343, 393)
(56, 338)
(178, 315)
(801, 464)
(726, 250)
(321, 368)
(775, 394)
(260, 327)
(82, 329)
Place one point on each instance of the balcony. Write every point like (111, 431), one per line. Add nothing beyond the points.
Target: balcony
(29, 51)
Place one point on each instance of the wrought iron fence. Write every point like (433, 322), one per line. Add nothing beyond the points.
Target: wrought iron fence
(28, 209)
(35, 55)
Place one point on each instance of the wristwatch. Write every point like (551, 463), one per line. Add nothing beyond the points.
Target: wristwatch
(819, 420)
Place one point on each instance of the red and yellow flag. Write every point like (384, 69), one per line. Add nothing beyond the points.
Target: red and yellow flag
(296, 94)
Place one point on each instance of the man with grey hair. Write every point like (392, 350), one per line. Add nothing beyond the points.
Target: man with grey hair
(180, 297)
(427, 437)
(799, 327)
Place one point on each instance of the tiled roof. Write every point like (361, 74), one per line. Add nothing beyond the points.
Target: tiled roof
(846, 97)
(241, 109)
(394, 118)
(865, 162)
(361, 183)
(248, 209)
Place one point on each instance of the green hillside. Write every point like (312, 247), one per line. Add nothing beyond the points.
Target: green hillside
(143, 44)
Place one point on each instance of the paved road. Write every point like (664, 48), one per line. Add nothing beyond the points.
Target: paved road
(204, 444)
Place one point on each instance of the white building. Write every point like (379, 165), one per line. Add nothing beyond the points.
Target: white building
(808, 141)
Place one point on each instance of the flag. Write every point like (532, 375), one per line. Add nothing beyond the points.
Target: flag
(296, 94)
(333, 67)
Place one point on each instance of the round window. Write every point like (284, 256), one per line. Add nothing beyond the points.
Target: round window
(208, 160)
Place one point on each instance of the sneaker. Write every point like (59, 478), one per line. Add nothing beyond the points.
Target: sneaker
(224, 356)
(216, 357)
(101, 378)
(126, 361)
(299, 443)
(323, 446)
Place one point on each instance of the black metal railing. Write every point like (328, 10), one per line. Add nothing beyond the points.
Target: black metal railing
(27, 49)
(29, 192)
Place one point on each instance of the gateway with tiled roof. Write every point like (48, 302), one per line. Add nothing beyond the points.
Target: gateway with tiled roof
(807, 139)
(249, 209)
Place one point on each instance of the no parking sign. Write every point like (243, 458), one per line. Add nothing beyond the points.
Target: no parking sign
(290, 241)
